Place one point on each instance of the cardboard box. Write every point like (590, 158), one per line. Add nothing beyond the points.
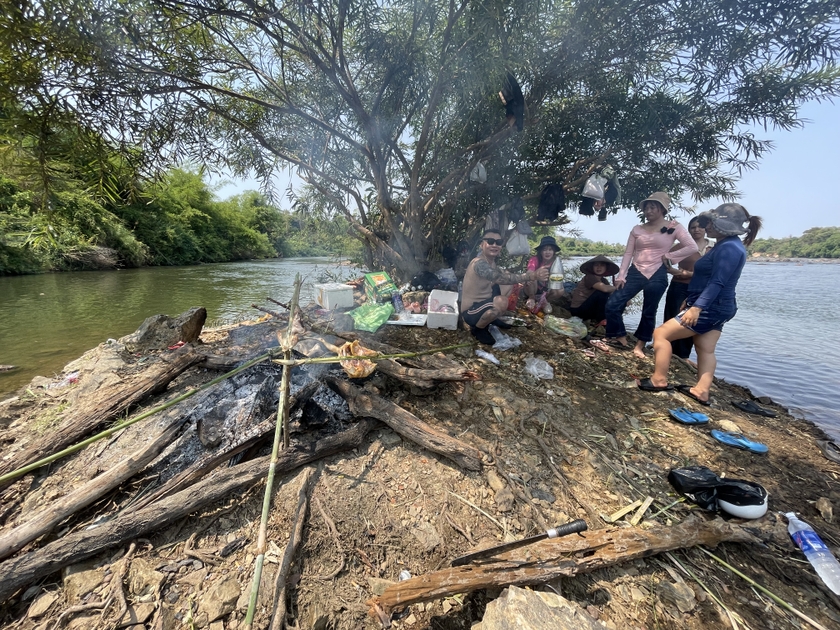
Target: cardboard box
(379, 287)
(443, 310)
(334, 295)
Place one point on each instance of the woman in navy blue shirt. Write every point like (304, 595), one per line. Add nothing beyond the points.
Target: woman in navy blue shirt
(710, 302)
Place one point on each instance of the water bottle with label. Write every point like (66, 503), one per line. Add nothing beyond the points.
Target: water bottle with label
(556, 275)
(820, 557)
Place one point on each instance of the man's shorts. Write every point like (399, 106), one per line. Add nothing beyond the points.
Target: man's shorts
(474, 312)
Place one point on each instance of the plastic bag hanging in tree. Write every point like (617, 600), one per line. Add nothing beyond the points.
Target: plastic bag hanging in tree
(511, 95)
(552, 202)
(478, 174)
(594, 187)
(518, 245)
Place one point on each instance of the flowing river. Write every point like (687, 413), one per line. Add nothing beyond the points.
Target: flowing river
(781, 344)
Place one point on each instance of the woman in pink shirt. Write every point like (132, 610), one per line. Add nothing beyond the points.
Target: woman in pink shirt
(647, 244)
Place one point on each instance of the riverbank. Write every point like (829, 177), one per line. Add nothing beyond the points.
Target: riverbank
(581, 445)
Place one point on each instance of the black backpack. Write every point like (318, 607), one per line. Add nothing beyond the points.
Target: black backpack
(552, 202)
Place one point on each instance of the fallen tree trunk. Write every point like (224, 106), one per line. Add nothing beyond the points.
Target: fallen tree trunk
(25, 569)
(104, 406)
(407, 425)
(43, 522)
(278, 619)
(561, 557)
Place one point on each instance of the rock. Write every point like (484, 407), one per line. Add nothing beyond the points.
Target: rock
(504, 500)
(160, 331)
(41, 605)
(217, 625)
(389, 438)
(142, 578)
(427, 535)
(137, 614)
(378, 585)
(79, 580)
(680, 594)
(220, 599)
(521, 609)
(543, 495)
(728, 425)
(826, 509)
(494, 480)
(765, 400)
(194, 579)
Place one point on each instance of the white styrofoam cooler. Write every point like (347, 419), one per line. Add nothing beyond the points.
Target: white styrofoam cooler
(443, 320)
(334, 295)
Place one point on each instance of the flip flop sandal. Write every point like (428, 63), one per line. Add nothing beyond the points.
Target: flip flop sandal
(738, 441)
(647, 386)
(615, 344)
(830, 450)
(685, 390)
(685, 416)
(750, 407)
(602, 346)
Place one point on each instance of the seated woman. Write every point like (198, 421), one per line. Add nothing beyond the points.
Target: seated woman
(537, 290)
(681, 276)
(590, 296)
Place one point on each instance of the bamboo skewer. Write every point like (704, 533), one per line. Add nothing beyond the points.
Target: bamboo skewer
(282, 427)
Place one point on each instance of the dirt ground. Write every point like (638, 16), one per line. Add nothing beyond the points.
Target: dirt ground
(581, 445)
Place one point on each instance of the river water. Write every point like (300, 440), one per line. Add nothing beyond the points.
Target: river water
(781, 344)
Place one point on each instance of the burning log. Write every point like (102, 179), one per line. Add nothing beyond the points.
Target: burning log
(407, 425)
(560, 557)
(79, 545)
(103, 406)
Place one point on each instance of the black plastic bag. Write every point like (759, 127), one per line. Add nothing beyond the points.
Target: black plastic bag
(586, 207)
(698, 484)
(425, 281)
(552, 202)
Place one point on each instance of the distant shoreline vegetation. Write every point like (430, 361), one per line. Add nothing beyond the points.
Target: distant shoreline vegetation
(820, 242)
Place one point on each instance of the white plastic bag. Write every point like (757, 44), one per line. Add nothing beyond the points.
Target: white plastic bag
(503, 341)
(594, 187)
(478, 174)
(517, 244)
(539, 368)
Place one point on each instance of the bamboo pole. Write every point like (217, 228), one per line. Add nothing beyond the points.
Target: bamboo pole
(282, 427)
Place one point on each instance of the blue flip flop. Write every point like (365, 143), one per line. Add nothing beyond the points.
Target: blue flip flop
(686, 416)
(738, 441)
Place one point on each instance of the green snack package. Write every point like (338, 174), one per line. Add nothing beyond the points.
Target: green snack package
(370, 316)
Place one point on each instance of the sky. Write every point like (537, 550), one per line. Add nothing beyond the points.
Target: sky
(794, 188)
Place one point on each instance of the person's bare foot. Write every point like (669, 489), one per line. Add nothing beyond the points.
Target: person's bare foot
(639, 349)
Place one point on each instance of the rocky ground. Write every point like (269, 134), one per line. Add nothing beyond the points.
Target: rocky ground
(583, 444)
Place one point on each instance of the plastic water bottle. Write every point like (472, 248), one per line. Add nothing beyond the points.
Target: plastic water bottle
(556, 275)
(820, 557)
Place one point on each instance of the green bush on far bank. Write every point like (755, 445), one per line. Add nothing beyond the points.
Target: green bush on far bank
(814, 243)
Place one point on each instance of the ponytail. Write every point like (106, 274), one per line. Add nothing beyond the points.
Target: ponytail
(752, 229)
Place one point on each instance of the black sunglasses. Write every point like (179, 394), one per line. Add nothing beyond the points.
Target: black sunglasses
(494, 241)
(668, 230)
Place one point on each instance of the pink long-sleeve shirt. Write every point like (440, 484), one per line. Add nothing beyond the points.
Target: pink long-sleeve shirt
(645, 249)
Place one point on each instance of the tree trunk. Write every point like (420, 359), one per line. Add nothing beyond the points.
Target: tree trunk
(23, 570)
(407, 425)
(104, 406)
(43, 522)
(560, 557)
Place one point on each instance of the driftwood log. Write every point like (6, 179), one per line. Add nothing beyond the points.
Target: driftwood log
(278, 619)
(407, 424)
(43, 522)
(27, 568)
(561, 557)
(101, 407)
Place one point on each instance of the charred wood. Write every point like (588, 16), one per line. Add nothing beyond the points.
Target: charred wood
(25, 569)
(407, 424)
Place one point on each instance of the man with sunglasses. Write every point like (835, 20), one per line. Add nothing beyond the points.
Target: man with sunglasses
(486, 286)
